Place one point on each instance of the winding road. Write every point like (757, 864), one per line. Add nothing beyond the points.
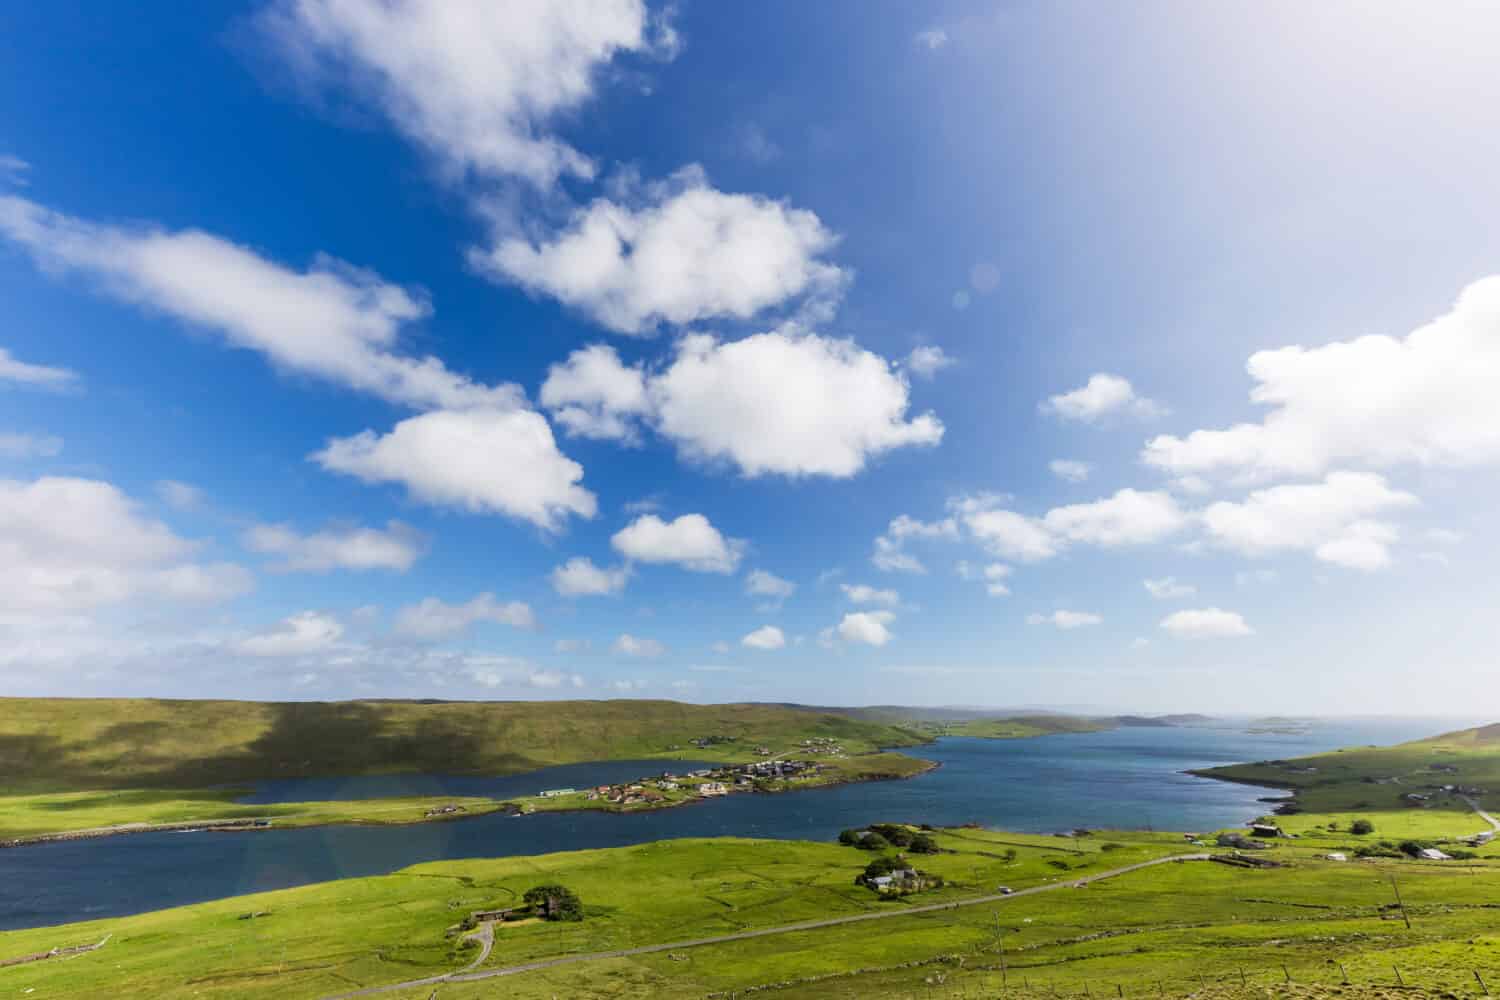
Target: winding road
(1494, 823)
(467, 975)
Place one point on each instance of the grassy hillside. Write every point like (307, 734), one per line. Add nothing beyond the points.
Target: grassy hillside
(59, 744)
(1025, 726)
(987, 723)
(1377, 782)
(1170, 931)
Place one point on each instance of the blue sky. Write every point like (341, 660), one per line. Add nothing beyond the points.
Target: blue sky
(1106, 358)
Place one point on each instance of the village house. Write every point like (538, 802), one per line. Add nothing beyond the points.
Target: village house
(552, 793)
(709, 788)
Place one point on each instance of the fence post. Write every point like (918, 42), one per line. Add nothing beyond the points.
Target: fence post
(1481, 982)
(1242, 978)
(1120, 990)
(1287, 972)
(1345, 973)
(1399, 980)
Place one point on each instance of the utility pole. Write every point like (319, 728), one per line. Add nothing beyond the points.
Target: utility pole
(1000, 939)
(1397, 890)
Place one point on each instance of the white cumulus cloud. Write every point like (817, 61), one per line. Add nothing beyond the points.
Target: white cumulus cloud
(860, 593)
(473, 82)
(432, 618)
(1427, 399)
(1205, 623)
(579, 577)
(1333, 519)
(500, 461)
(593, 395)
(775, 403)
(687, 253)
(766, 637)
(1101, 396)
(303, 633)
(397, 547)
(71, 545)
(689, 541)
(1167, 588)
(890, 548)
(1065, 619)
(868, 627)
(762, 583)
(630, 645)
(1071, 470)
(785, 404)
(995, 575)
(927, 360)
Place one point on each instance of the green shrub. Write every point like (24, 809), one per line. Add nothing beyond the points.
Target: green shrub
(893, 833)
(1361, 827)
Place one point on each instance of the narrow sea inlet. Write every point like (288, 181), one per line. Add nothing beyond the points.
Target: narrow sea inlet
(1122, 778)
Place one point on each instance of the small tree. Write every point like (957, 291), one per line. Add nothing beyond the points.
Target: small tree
(1413, 848)
(849, 838)
(554, 902)
(1361, 827)
(874, 842)
(923, 844)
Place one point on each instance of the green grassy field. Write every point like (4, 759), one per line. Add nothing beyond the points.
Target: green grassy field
(1172, 924)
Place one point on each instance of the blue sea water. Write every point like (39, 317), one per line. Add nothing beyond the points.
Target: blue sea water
(1124, 778)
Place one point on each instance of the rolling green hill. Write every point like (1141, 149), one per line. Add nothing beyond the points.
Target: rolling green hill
(62, 744)
(1411, 789)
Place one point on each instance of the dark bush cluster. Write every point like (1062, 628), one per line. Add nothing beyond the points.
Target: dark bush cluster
(554, 902)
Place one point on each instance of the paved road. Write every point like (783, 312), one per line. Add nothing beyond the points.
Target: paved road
(1494, 823)
(466, 976)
